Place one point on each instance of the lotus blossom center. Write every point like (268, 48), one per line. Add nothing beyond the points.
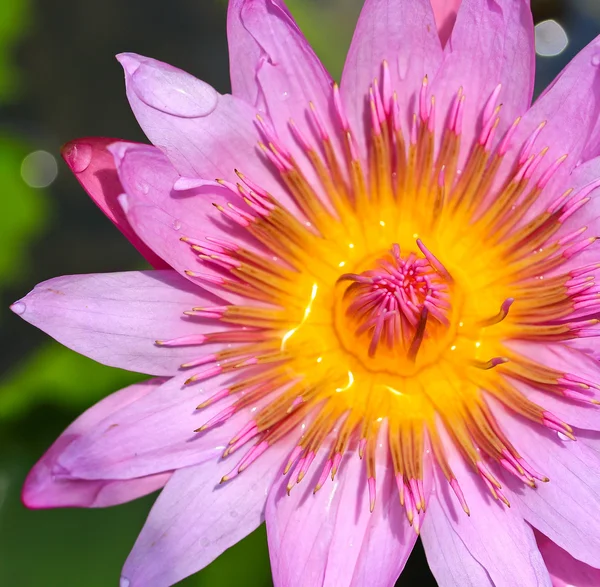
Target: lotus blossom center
(399, 307)
(384, 286)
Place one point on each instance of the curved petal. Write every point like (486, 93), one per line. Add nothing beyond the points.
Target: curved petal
(205, 135)
(567, 508)
(43, 489)
(568, 109)
(445, 16)
(245, 58)
(162, 216)
(584, 178)
(266, 43)
(195, 519)
(564, 569)
(592, 147)
(449, 559)
(567, 360)
(330, 538)
(155, 433)
(492, 43)
(388, 541)
(404, 33)
(94, 168)
(115, 318)
(592, 137)
(509, 554)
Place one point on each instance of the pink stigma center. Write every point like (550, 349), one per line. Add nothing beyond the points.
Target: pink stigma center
(394, 301)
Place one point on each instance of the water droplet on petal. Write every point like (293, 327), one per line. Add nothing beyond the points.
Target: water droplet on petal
(596, 59)
(171, 90)
(142, 187)
(563, 436)
(19, 308)
(78, 156)
(124, 582)
(176, 224)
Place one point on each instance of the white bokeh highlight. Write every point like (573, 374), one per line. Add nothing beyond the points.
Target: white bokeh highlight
(550, 38)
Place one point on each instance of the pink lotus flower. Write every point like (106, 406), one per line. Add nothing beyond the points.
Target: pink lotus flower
(401, 267)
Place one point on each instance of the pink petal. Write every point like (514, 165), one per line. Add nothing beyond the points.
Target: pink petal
(590, 438)
(449, 559)
(445, 16)
(156, 433)
(492, 43)
(288, 76)
(592, 148)
(115, 318)
(195, 519)
(205, 135)
(567, 360)
(331, 538)
(162, 217)
(586, 62)
(564, 569)
(508, 553)
(43, 489)
(567, 508)
(570, 107)
(582, 178)
(404, 33)
(385, 549)
(94, 168)
(245, 58)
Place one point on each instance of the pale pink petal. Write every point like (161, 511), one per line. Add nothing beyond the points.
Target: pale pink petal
(162, 216)
(570, 411)
(43, 489)
(564, 569)
(94, 168)
(288, 76)
(445, 17)
(156, 433)
(592, 148)
(195, 519)
(404, 33)
(327, 538)
(492, 43)
(583, 178)
(449, 559)
(116, 318)
(566, 360)
(246, 57)
(509, 553)
(569, 107)
(567, 508)
(204, 134)
(585, 181)
(590, 438)
(388, 542)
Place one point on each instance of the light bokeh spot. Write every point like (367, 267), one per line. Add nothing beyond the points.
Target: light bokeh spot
(550, 38)
(39, 169)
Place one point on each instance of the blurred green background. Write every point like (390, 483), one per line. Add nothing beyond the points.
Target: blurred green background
(58, 81)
